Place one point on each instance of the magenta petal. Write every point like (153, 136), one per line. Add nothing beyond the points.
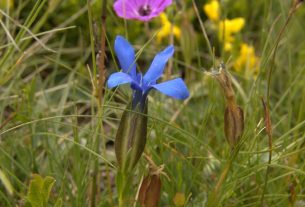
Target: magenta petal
(160, 5)
(143, 10)
(125, 9)
(146, 18)
(139, 3)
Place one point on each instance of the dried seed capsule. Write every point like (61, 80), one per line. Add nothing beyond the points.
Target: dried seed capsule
(150, 187)
(233, 116)
(298, 2)
(234, 124)
(150, 190)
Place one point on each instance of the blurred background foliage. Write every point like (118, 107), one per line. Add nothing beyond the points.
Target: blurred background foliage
(49, 121)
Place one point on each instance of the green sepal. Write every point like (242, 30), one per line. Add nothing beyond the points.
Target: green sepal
(131, 137)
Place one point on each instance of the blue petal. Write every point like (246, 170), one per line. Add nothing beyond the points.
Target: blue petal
(119, 78)
(175, 88)
(126, 55)
(157, 66)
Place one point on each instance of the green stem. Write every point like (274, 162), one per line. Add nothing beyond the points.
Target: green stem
(121, 186)
(291, 12)
(94, 189)
(214, 197)
(103, 52)
(204, 33)
(275, 52)
(121, 203)
(102, 73)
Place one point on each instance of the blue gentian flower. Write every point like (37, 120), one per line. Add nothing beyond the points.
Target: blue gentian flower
(142, 84)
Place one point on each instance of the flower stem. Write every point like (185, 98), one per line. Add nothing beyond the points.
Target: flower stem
(95, 142)
(214, 199)
(102, 73)
(204, 33)
(121, 185)
(267, 105)
(103, 52)
(100, 88)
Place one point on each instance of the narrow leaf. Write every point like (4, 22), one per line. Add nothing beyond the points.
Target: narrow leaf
(34, 194)
(48, 183)
(6, 183)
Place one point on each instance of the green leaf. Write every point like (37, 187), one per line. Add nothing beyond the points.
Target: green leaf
(58, 203)
(6, 182)
(48, 183)
(39, 191)
(34, 195)
(53, 4)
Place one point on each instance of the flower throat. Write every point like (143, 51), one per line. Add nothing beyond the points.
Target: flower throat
(145, 10)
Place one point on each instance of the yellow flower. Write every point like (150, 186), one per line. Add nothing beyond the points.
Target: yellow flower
(167, 28)
(228, 46)
(179, 199)
(247, 60)
(227, 28)
(6, 4)
(212, 10)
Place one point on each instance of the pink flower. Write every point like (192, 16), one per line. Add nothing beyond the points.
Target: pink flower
(143, 10)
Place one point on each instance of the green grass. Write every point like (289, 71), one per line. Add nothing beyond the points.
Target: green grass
(51, 122)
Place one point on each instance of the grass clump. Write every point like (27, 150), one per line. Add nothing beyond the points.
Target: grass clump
(58, 121)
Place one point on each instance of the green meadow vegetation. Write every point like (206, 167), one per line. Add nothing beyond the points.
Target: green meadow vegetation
(238, 139)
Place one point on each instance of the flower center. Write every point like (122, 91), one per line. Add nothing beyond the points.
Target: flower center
(145, 10)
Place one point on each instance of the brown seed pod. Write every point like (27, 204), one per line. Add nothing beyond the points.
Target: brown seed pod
(233, 116)
(234, 124)
(150, 190)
